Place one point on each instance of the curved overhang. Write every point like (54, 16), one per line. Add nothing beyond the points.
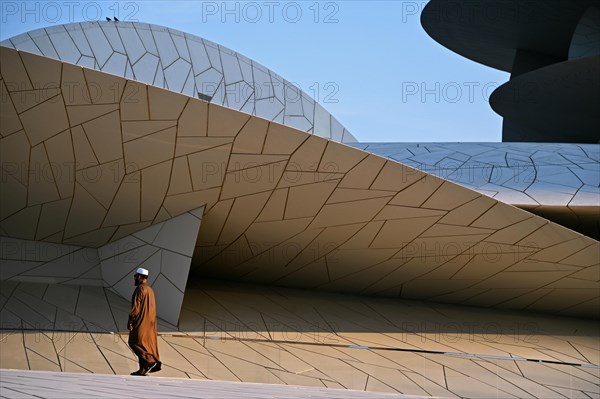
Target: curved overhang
(183, 63)
(581, 218)
(560, 101)
(491, 32)
(559, 182)
(279, 206)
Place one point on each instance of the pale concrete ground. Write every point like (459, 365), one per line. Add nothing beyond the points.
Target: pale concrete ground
(44, 384)
(246, 333)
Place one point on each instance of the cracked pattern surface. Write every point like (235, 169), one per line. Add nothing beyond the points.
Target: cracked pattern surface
(183, 63)
(249, 333)
(282, 206)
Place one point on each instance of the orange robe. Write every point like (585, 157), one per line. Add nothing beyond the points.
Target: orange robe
(143, 337)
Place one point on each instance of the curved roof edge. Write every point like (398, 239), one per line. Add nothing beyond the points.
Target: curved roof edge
(183, 63)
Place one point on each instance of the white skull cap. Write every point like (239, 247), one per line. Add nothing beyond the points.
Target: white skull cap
(142, 271)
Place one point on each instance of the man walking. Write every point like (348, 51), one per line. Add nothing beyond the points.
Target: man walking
(142, 325)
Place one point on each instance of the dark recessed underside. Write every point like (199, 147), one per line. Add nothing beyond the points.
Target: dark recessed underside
(491, 31)
(559, 101)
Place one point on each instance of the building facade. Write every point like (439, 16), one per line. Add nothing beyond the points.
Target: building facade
(130, 145)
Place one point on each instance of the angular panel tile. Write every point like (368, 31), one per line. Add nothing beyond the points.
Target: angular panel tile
(282, 140)
(243, 212)
(193, 120)
(104, 134)
(340, 158)
(395, 176)
(134, 104)
(400, 232)
(348, 212)
(45, 120)
(165, 105)
(104, 88)
(86, 213)
(125, 208)
(225, 122)
(155, 181)
(151, 149)
(307, 200)
(102, 181)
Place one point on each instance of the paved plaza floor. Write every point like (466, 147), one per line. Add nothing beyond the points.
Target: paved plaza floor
(255, 334)
(45, 384)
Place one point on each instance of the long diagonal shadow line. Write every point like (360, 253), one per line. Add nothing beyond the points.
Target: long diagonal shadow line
(393, 349)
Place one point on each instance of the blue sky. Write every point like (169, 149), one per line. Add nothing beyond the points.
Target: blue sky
(370, 63)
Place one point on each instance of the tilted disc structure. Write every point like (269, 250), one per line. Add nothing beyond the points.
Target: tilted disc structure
(109, 164)
(550, 48)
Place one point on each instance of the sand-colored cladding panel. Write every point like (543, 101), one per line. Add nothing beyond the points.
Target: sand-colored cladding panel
(259, 174)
